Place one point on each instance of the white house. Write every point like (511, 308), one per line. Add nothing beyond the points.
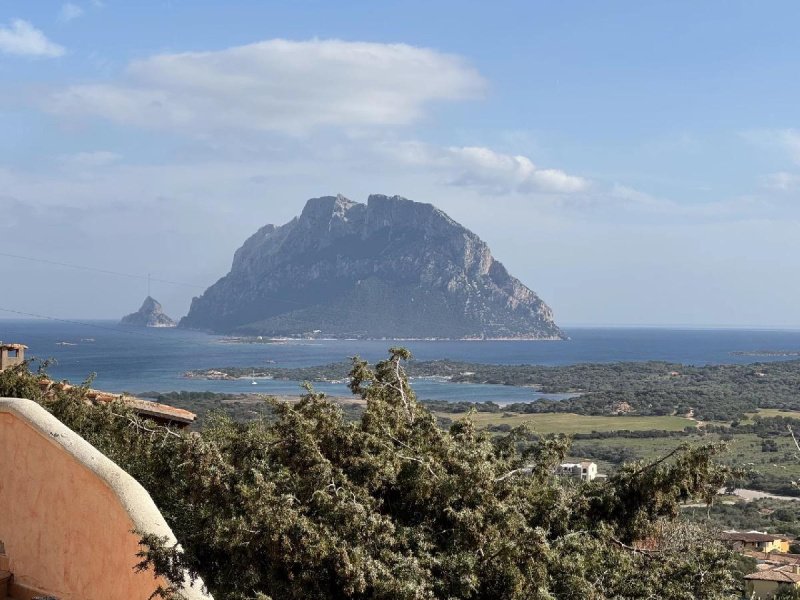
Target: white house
(584, 470)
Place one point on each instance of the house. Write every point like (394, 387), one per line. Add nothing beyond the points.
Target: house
(765, 584)
(163, 414)
(584, 470)
(755, 540)
(11, 355)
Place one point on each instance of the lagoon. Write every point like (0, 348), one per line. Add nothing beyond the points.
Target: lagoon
(141, 360)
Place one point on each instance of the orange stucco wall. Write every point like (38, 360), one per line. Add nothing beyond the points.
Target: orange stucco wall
(65, 531)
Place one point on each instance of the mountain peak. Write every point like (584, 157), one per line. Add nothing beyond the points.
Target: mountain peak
(390, 268)
(326, 207)
(378, 198)
(150, 304)
(151, 314)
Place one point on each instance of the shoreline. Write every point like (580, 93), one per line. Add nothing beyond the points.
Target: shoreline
(284, 340)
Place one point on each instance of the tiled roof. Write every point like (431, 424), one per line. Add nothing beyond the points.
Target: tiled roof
(142, 407)
(749, 536)
(775, 557)
(785, 573)
(163, 411)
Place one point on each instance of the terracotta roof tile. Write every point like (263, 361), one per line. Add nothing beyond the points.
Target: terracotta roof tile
(775, 557)
(749, 536)
(142, 407)
(785, 573)
(155, 409)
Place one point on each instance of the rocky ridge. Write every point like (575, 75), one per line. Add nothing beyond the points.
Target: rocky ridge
(151, 314)
(390, 268)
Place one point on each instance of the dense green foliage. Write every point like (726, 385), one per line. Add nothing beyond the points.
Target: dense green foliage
(761, 447)
(312, 506)
(772, 516)
(239, 407)
(714, 392)
(787, 594)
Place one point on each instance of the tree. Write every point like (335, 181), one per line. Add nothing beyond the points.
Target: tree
(787, 594)
(312, 506)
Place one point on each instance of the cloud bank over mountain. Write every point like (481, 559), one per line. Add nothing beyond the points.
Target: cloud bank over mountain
(162, 139)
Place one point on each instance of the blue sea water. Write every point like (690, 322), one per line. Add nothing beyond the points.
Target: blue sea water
(137, 360)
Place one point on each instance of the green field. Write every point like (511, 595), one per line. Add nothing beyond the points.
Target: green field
(769, 470)
(572, 423)
(764, 413)
(776, 412)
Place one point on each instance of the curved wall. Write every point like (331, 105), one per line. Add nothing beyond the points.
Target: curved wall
(67, 512)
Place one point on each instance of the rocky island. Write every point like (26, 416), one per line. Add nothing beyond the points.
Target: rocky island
(149, 315)
(390, 268)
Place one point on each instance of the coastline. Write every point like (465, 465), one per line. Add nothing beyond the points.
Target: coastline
(280, 340)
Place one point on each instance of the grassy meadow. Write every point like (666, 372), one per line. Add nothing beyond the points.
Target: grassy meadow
(545, 423)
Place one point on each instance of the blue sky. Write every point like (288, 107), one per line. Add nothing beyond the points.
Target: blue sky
(633, 162)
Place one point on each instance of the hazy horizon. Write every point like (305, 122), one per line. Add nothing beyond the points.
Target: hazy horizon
(632, 164)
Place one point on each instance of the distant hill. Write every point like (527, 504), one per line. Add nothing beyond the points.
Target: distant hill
(149, 315)
(391, 268)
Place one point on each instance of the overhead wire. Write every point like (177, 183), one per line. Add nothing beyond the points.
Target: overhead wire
(148, 278)
(97, 270)
(82, 323)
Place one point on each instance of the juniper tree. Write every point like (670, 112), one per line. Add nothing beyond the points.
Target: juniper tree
(309, 505)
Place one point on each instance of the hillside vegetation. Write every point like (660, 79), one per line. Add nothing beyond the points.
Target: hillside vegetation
(308, 505)
(711, 392)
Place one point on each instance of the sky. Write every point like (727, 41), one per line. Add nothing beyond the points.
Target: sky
(634, 163)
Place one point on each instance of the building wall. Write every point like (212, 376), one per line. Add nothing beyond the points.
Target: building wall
(7, 360)
(67, 512)
(776, 546)
(763, 590)
(591, 472)
(577, 470)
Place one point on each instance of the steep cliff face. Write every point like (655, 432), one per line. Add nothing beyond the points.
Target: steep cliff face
(390, 268)
(149, 315)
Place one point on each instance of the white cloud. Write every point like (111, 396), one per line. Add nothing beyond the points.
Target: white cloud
(88, 160)
(636, 198)
(24, 39)
(790, 138)
(781, 181)
(786, 140)
(484, 167)
(736, 208)
(487, 170)
(69, 12)
(277, 85)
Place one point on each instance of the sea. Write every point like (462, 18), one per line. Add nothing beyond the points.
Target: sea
(124, 359)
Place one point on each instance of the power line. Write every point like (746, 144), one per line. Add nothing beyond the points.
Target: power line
(147, 277)
(284, 300)
(82, 323)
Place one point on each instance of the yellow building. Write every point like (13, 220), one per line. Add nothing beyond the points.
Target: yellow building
(763, 585)
(756, 541)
